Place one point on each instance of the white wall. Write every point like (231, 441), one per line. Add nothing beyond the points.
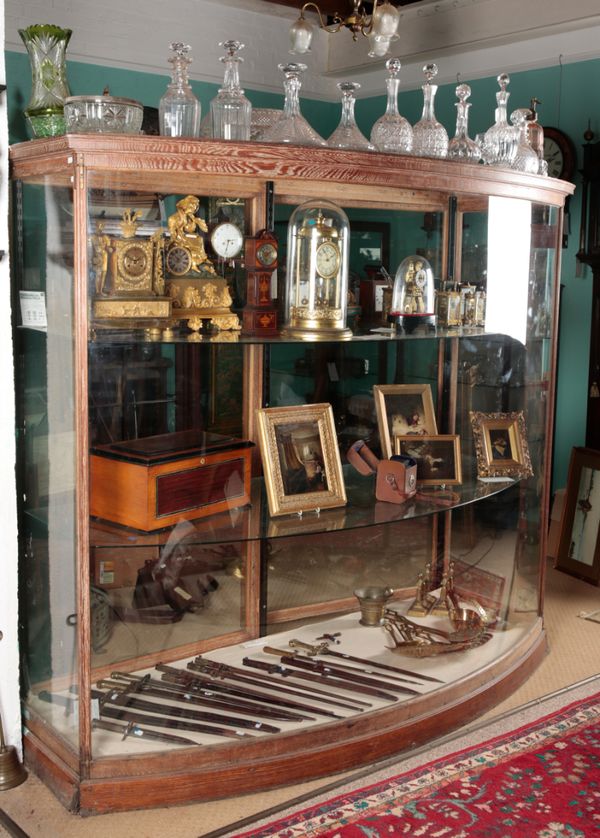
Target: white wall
(9, 656)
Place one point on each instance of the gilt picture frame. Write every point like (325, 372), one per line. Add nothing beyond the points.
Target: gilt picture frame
(501, 445)
(579, 544)
(301, 459)
(437, 456)
(403, 410)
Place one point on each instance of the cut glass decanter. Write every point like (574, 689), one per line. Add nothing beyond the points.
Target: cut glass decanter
(179, 109)
(461, 146)
(525, 160)
(392, 133)
(231, 111)
(292, 127)
(501, 139)
(348, 134)
(430, 138)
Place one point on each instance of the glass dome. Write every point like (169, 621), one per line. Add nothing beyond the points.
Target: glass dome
(316, 297)
(413, 295)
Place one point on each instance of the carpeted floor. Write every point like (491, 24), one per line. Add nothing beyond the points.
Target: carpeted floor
(574, 656)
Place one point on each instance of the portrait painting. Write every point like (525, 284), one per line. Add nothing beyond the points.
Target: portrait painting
(301, 460)
(403, 410)
(501, 445)
(438, 457)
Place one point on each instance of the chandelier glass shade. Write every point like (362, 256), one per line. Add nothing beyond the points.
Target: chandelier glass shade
(380, 27)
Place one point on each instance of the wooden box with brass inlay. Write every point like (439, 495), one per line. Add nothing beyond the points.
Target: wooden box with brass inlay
(153, 482)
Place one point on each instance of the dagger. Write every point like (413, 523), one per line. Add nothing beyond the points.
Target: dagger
(320, 679)
(196, 682)
(163, 721)
(323, 649)
(203, 697)
(335, 672)
(122, 698)
(131, 729)
(221, 670)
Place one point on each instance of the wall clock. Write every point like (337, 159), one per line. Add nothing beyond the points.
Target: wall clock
(559, 153)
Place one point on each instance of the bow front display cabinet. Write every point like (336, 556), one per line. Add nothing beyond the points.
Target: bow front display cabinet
(148, 336)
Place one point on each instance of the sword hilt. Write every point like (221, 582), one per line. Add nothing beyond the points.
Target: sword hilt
(310, 650)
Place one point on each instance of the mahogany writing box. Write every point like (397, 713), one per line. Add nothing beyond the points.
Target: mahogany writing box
(153, 482)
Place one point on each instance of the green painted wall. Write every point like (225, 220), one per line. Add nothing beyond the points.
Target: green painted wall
(565, 104)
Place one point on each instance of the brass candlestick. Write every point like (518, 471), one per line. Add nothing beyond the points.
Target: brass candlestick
(12, 772)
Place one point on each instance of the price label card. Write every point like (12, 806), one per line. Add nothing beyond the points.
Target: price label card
(33, 310)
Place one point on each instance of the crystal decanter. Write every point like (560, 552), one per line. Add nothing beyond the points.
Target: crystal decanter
(230, 110)
(179, 109)
(291, 126)
(348, 134)
(525, 160)
(430, 138)
(392, 133)
(461, 146)
(501, 139)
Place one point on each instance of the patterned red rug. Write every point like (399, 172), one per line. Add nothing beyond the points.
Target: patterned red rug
(541, 780)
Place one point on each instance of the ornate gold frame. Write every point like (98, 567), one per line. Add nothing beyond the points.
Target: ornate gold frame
(451, 445)
(381, 392)
(272, 420)
(510, 429)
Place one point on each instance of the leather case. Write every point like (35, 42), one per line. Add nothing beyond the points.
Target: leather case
(396, 479)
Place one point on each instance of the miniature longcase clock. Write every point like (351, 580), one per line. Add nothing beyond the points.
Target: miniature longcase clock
(259, 316)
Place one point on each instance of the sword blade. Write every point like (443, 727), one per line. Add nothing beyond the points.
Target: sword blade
(132, 729)
(125, 699)
(114, 712)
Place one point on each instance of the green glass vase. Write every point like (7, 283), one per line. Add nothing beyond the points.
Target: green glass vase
(46, 46)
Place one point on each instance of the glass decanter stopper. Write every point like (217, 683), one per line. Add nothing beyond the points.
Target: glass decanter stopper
(392, 133)
(525, 160)
(291, 127)
(535, 134)
(179, 109)
(430, 138)
(348, 134)
(501, 139)
(461, 146)
(230, 110)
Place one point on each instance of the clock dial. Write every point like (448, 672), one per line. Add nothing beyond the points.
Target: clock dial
(266, 254)
(135, 261)
(227, 240)
(328, 259)
(559, 153)
(179, 260)
(554, 157)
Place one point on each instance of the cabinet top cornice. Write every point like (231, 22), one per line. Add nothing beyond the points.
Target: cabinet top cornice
(278, 162)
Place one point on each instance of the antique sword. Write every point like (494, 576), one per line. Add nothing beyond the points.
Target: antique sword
(323, 649)
(116, 712)
(123, 698)
(221, 670)
(319, 678)
(193, 681)
(201, 697)
(334, 671)
(131, 729)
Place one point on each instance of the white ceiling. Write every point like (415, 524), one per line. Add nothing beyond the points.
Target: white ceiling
(473, 38)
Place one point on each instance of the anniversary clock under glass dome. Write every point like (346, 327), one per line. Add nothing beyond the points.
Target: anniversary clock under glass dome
(317, 271)
(413, 295)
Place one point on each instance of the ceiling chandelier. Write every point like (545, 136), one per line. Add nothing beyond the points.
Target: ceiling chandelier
(380, 27)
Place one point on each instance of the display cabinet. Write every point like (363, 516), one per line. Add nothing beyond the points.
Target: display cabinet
(147, 543)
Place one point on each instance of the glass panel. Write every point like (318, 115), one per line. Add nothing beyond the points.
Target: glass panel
(43, 303)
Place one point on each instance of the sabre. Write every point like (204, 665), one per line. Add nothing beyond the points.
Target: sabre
(335, 672)
(122, 698)
(131, 729)
(220, 670)
(162, 721)
(323, 649)
(200, 682)
(201, 697)
(320, 679)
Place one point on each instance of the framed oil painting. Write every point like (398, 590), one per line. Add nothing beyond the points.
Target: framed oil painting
(437, 457)
(501, 445)
(301, 459)
(578, 547)
(403, 410)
